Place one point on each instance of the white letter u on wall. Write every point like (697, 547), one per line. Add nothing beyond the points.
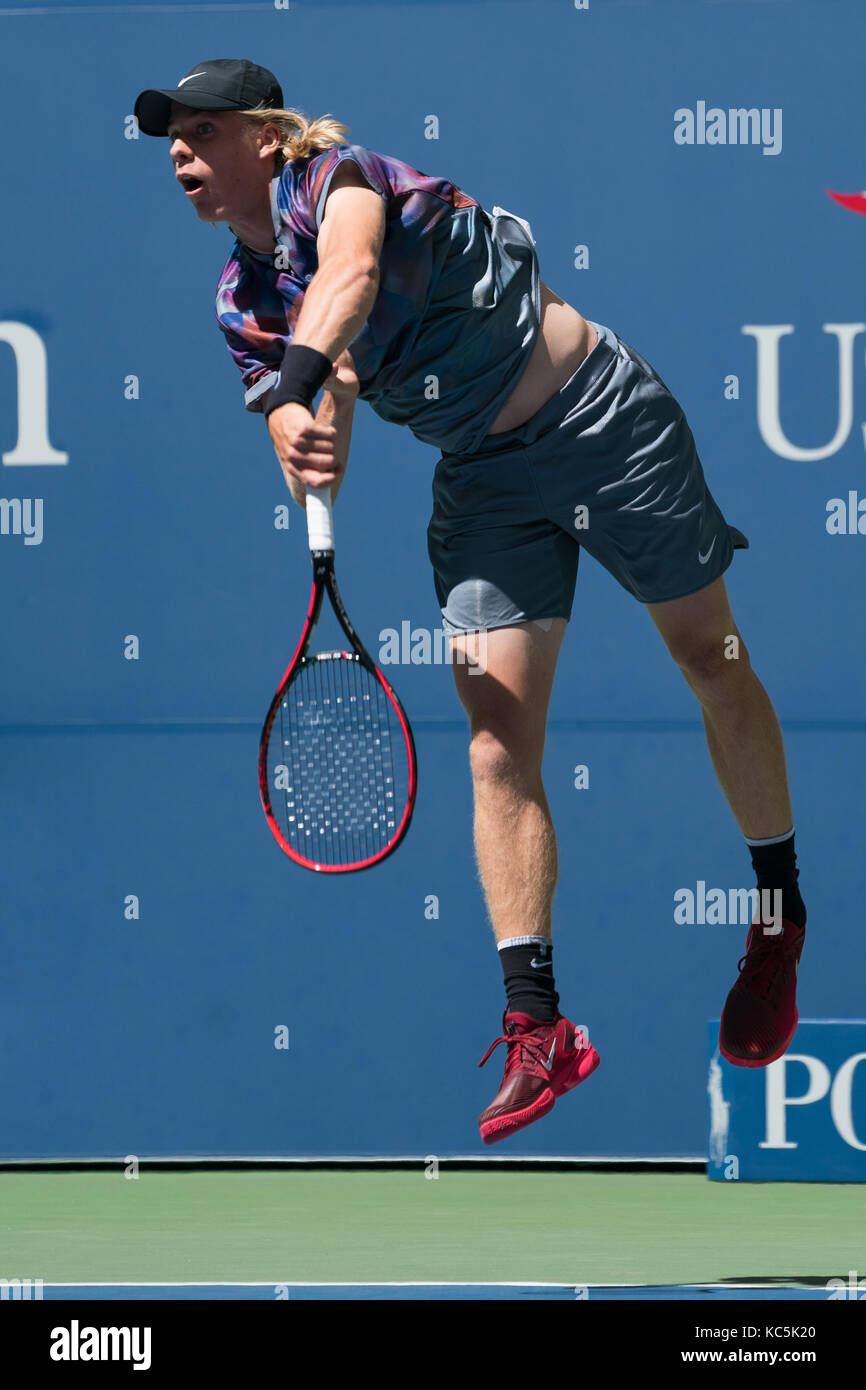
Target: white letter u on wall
(767, 337)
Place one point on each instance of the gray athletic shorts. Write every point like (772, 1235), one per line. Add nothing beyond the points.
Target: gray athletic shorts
(608, 463)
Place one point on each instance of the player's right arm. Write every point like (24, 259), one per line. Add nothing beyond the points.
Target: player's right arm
(335, 307)
(335, 412)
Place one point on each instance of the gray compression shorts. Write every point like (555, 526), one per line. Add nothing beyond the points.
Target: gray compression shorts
(608, 463)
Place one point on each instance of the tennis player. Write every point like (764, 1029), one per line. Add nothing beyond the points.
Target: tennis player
(354, 272)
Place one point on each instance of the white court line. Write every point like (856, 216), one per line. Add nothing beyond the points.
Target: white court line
(364, 1161)
(132, 9)
(384, 1284)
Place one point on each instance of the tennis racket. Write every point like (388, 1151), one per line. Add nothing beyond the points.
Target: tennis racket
(337, 767)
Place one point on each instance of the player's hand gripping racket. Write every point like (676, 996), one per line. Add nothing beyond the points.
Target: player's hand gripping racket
(337, 768)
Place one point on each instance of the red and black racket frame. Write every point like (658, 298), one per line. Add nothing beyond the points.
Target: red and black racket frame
(325, 580)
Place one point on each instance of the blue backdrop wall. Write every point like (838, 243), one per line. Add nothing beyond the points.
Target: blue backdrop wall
(154, 938)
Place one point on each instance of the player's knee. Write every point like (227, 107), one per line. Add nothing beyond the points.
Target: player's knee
(502, 756)
(713, 666)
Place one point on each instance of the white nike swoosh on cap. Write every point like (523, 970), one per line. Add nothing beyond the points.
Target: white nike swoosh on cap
(191, 76)
(702, 559)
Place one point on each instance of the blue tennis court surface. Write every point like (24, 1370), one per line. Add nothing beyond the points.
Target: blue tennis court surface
(710, 1293)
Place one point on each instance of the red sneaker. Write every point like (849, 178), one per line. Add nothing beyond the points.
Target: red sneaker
(760, 1014)
(544, 1061)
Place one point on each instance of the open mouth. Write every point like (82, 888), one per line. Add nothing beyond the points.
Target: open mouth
(190, 184)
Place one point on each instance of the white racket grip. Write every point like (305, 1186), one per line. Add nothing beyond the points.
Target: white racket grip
(320, 520)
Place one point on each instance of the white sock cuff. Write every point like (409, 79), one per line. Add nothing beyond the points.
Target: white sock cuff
(775, 840)
(524, 941)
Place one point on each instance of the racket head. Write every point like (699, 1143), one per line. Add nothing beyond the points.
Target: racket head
(337, 766)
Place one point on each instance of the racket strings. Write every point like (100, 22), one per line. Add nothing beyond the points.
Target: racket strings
(339, 759)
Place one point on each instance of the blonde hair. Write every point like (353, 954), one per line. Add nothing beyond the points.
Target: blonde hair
(301, 137)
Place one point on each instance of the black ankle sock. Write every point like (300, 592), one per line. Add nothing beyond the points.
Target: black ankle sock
(527, 963)
(776, 867)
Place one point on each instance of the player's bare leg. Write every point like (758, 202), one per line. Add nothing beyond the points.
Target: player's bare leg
(507, 706)
(516, 850)
(743, 733)
(747, 751)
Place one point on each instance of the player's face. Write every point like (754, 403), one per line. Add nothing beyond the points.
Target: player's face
(217, 164)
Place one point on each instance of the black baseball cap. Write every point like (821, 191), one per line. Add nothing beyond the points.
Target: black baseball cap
(217, 84)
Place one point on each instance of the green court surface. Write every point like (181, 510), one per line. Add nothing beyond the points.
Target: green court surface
(376, 1226)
